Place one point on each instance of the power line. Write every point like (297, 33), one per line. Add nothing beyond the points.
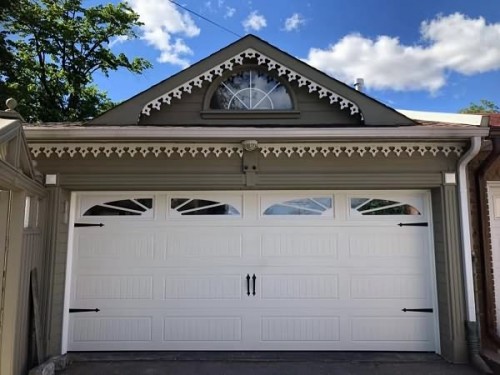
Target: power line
(205, 18)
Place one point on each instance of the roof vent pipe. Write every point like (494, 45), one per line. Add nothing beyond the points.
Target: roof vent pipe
(359, 85)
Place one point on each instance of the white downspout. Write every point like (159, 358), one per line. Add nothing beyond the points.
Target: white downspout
(465, 227)
(471, 323)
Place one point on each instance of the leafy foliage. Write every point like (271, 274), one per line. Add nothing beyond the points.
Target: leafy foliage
(57, 46)
(484, 106)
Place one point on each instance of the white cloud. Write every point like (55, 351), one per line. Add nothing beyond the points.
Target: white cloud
(454, 43)
(164, 26)
(229, 12)
(294, 22)
(118, 40)
(254, 21)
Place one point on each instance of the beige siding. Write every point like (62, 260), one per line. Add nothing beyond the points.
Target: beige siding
(449, 273)
(58, 242)
(33, 258)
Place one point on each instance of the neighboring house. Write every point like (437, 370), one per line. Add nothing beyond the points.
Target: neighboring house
(22, 251)
(485, 201)
(251, 202)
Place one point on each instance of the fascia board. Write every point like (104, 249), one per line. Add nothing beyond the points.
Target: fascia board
(125, 134)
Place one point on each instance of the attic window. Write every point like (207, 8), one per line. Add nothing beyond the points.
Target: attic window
(251, 90)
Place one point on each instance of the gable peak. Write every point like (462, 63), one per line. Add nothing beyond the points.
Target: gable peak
(262, 60)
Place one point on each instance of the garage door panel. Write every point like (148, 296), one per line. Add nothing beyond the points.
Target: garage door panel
(107, 287)
(300, 328)
(109, 245)
(377, 244)
(202, 328)
(218, 243)
(197, 287)
(113, 329)
(332, 281)
(390, 328)
(299, 286)
(403, 286)
(299, 245)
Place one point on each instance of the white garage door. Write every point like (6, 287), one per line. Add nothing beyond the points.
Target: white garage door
(307, 270)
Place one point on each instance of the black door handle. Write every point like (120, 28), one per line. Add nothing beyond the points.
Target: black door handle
(253, 282)
(248, 284)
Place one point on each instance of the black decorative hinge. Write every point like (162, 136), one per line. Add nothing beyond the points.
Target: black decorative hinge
(417, 310)
(78, 225)
(71, 311)
(413, 224)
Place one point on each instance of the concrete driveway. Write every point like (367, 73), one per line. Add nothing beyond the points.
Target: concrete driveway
(290, 363)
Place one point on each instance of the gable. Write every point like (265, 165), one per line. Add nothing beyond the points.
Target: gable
(321, 100)
(14, 151)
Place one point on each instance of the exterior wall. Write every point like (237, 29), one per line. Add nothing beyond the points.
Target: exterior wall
(22, 249)
(449, 273)
(58, 244)
(484, 277)
(10, 363)
(33, 257)
(271, 172)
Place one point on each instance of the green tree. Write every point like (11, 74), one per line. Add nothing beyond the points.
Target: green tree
(484, 106)
(58, 45)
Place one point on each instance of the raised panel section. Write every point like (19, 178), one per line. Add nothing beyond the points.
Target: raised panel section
(390, 329)
(387, 286)
(362, 245)
(299, 245)
(294, 286)
(203, 245)
(308, 328)
(203, 287)
(114, 287)
(112, 329)
(202, 329)
(135, 246)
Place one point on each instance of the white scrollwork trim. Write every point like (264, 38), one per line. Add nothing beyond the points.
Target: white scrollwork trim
(230, 150)
(360, 149)
(249, 53)
(133, 150)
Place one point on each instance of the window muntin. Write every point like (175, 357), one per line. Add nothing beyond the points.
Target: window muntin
(381, 207)
(319, 206)
(202, 207)
(122, 207)
(251, 90)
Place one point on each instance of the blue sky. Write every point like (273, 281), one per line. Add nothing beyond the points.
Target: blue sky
(428, 55)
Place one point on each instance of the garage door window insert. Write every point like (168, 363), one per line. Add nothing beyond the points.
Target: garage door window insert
(187, 206)
(123, 207)
(374, 206)
(303, 206)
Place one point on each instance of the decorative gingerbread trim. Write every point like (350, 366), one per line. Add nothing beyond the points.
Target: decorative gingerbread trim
(271, 64)
(229, 150)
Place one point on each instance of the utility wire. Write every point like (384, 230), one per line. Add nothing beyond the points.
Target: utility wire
(205, 18)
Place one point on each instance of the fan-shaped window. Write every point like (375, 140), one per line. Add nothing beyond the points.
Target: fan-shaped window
(124, 207)
(302, 206)
(187, 206)
(251, 90)
(373, 206)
